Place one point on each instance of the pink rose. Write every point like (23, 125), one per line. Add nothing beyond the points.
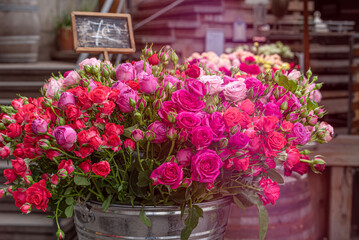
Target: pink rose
(294, 75)
(187, 101)
(39, 126)
(300, 134)
(184, 156)
(188, 120)
(65, 136)
(54, 179)
(235, 91)
(123, 100)
(139, 67)
(202, 137)
(125, 72)
(326, 131)
(101, 169)
(217, 125)
(53, 87)
(147, 83)
(160, 130)
(137, 135)
(4, 152)
(168, 111)
(66, 99)
(205, 166)
(214, 82)
(90, 62)
(169, 173)
(72, 78)
(256, 86)
(170, 81)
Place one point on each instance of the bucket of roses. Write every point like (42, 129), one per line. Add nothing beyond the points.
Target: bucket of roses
(147, 134)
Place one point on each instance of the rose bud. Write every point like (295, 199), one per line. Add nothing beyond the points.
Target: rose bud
(39, 126)
(137, 135)
(54, 179)
(85, 166)
(129, 145)
(66, 99)
(4, 152)
(172, 134)
(153, 60)
(26, 208)
(62, 173)
(45, 176)
(187, 182)
(2, 193)
(60, 234)
(65, 136)
(150, 135)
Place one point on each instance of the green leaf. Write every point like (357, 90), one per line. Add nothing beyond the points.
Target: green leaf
(106, 203)
(146, 220)
(275, 176)
(143, 178)
(68, 191)
(191, 222)
(239, 203)
(263, 221)
(289, 85)
(311, 104)
(69, 211)
(70, 201)
(81, 180)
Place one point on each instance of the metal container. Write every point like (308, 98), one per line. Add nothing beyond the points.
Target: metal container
(123, 222)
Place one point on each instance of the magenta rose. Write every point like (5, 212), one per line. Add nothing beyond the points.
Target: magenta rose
(270, 191)
(119, 85)
(300, 133)
(205, 166)
(235, 91)
(160, 130)
(125, 72)
(169, 173)
(216, 123)
(202, 137)
(238, 141)
(188, 120)
(272, 109)
(123, 100)
(66, 99)
(168, 108)
(147, 83)
(72, 78)
(256, 86)
(39, 126)
(187, 101)
(65, 136)
(196, 87)
(184, 156)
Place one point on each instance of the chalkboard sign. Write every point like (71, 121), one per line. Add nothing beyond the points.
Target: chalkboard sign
(102, 32)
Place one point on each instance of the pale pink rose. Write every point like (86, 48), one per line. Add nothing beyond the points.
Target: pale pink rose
(328, 131)
(213, 81)
(294, 75)
(235, 91)
(53, 87)
(90, 62)
(71, 79)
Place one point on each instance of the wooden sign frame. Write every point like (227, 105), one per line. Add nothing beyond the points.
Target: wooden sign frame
(126, 16)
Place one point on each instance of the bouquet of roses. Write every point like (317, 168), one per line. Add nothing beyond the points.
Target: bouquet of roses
(144, 134)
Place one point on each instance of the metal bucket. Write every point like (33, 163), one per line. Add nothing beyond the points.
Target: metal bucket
(123, 222)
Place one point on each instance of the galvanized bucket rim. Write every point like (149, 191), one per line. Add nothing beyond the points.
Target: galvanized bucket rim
(153, 210)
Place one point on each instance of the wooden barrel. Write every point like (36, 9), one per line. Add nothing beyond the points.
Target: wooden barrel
(291, 218)
(19, 31)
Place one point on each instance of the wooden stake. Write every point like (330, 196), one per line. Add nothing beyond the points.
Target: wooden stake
(105, 54)
(306, 36)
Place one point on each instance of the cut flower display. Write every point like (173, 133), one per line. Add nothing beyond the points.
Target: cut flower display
(142, 133)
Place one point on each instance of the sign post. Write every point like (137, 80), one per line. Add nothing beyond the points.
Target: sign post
(103, 33)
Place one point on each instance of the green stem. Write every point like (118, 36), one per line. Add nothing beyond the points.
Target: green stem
(138, 155)
(148, 149)
(99, 191)
(92, 191)
(172, 146)
(307, 161)
(56, 214)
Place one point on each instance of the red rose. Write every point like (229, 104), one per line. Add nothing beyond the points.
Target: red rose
(4, 152)
(241, 164)
(113, 96)
(96, 142)
(134, 85)
(10, 175)
(293, 157)
(73, 112)
(28, 128)
(14, 130)
(19, 197)
(231, 117)
(38, 195)
(101, 169)
(129, 144)
(18, 152)
(54, 179)
(84, 151)
(267, 123)
(193, 71)
(115, 142)
(286, 126)
(99, 94)
(85, 166)
(276, 140)
(52, 154)
(107, 108)
(77, 124)
(247, 106)
(19, 166)
(84, 101)
(66, 165)
(270, 191)
(82, 137)
(113, 129)
(153, 60)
